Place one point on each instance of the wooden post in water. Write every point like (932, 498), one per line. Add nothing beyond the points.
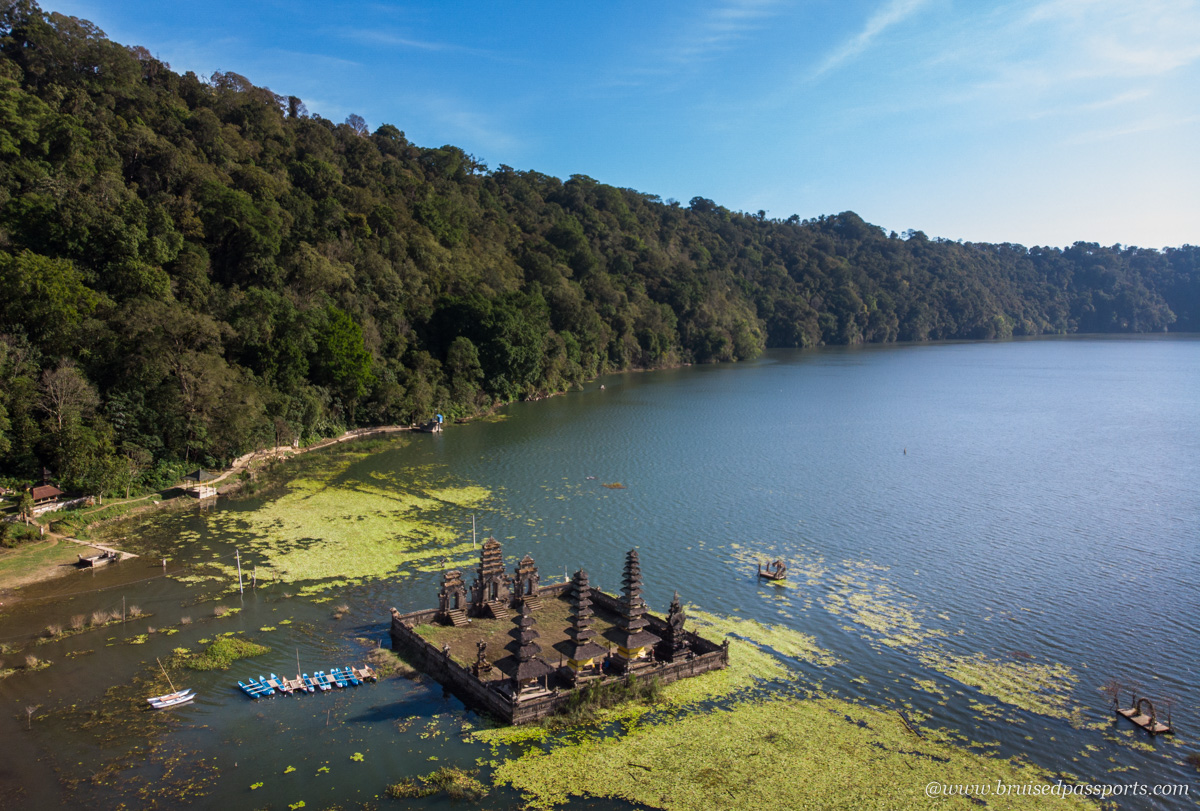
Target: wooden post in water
(238, 555)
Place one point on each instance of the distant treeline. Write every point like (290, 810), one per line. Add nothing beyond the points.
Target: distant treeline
(190, 268)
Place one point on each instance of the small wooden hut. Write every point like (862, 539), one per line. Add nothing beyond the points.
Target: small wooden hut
(197, 486)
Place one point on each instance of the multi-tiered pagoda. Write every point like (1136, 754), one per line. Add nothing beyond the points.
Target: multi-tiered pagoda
(634, 643)
(525, 665)
(584, 654)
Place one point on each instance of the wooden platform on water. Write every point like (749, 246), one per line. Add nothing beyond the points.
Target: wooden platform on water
(103, 559)
(1146, 722)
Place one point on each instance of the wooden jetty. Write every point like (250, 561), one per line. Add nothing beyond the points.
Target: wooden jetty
(103, 559)
(1145, 717)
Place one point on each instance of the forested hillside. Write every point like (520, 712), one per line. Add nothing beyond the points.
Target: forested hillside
(192, 267)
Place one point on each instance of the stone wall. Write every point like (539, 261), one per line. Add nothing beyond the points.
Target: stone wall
(474, 693)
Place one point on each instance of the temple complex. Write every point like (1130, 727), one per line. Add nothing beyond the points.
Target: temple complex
(563, 637)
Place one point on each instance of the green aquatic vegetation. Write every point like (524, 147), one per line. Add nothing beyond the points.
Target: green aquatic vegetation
(328, 528)
(140, 639)
(928, 685)
(472, 496)
(457, 784)
(864, 599)
(257, 785)
(289, 770)
(357, 757)
(780, 638)
(220, 655)
(1040, 688)
(767, 754)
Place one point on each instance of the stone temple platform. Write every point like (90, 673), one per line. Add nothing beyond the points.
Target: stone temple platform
(519, 651)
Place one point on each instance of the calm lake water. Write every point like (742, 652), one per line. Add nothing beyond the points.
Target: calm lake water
(1033, 502)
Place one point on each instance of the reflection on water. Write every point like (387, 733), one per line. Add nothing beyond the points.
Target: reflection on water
(982, 533)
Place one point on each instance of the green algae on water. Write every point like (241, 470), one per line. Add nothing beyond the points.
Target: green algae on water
(779, 638)
(1039, 688)
(769, 754)
(220, 655)
(331, 526)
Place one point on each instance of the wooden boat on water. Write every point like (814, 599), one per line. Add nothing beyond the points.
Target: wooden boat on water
(775, 570)
(365, 673)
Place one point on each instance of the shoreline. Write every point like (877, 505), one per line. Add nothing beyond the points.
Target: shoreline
(35, 562)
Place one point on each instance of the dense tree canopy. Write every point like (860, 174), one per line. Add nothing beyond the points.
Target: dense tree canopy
(190, 268)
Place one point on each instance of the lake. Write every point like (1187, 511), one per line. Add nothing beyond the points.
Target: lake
(981, 534)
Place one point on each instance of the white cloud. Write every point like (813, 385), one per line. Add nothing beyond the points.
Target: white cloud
(719, 28)
(390, 39)
(704, 36)
(895, 12)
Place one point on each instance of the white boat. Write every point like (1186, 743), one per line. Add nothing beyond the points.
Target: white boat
(172, 699)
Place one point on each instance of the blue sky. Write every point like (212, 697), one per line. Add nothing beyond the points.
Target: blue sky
(1041, 122)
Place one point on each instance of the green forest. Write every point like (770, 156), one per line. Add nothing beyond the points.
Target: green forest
(193, 267)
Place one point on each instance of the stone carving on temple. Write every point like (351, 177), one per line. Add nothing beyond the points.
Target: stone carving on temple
(482, 667)
(676, 641)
